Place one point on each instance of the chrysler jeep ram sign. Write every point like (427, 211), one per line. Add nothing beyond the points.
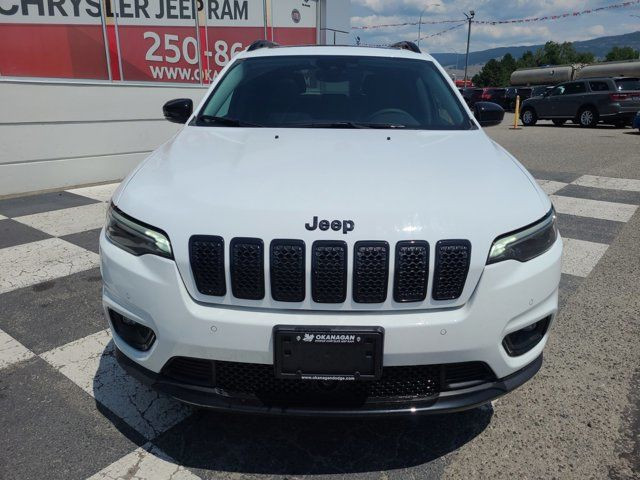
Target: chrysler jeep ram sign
(186, 41)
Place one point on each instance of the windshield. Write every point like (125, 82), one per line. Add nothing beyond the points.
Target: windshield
(334, 92)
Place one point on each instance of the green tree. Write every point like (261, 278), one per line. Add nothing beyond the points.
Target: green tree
(497, 73)
(507, 65)
(561, 53)
(527, 60)
(622, 53)
(490, 75)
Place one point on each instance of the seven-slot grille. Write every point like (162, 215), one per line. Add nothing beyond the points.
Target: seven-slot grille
(329, 265)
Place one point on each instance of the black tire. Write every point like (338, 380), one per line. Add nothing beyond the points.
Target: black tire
(559, 122)
(588, 117)
(529, 117)
(620, 124)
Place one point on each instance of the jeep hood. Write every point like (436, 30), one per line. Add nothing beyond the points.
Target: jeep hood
(393, 185)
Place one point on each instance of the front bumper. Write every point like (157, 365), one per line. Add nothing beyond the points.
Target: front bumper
(445, 402)
(509, 296)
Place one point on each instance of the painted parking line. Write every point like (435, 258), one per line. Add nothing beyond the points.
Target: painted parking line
(35, 262)
(145, 463)
(582, 207)
(551, 186)
(68, 220)
(627, 184)
(579, 257)
(12, 351)
(101, 193)
(91, 364)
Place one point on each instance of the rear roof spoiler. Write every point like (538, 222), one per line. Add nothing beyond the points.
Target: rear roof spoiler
(406, 45)
(258, 44)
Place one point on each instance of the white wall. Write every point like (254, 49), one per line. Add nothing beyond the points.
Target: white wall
(55, 134)
(335, 22)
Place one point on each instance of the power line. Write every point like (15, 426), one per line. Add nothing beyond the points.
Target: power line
(511, 21)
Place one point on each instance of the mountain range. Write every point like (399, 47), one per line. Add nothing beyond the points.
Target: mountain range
(598, 46)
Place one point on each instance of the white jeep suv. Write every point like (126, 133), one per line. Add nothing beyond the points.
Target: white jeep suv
(331, 233)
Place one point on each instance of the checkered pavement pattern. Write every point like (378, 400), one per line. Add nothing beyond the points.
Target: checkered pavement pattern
(69, 411)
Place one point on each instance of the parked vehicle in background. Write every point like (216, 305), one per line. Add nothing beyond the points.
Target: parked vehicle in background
(540, 90)
(487, 94)
(512, 93)
(467, 94)
(636, 121)
(586, 102)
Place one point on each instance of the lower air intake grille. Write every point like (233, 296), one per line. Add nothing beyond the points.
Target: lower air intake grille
(257, 380)
(287, 270)
(190, 370)
(411, 271)
(247, 268)
(206, 254)
(370, 272)
(452, 266)
(329, 276)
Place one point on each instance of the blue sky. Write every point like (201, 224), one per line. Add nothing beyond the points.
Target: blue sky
(371, 12)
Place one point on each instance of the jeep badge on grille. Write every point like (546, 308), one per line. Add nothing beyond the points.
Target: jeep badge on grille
(336, 225)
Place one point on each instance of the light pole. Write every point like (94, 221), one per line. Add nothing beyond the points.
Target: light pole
(420, 21)
(469, 16)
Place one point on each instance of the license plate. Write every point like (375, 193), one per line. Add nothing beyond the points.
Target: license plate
(328, 353)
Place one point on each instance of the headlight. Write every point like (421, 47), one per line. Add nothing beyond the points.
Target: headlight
(526, 243)
(136, 237)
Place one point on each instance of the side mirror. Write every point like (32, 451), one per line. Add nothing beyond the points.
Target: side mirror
(179, 110)
(488, 113)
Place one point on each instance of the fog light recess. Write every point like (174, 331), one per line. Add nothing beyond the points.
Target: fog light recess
(134, 334)
(523, 340)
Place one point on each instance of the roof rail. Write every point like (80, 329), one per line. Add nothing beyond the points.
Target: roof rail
(406, 45)
(261, 44)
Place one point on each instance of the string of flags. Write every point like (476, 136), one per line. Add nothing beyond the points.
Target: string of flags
(544, 18)
(404, 24)
(437, 34)
(560, 16)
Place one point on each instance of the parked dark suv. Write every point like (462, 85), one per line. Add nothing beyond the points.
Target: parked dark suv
(586, 102)
(512, 93)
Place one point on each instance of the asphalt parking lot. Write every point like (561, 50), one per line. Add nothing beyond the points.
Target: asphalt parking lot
(68, 411)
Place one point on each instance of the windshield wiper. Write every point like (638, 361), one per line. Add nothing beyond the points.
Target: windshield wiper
(229, 122)
(341, 125)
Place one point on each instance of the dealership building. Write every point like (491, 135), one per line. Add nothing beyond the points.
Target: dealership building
(82, 82)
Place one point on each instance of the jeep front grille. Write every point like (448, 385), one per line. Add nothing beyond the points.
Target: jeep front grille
(370, 272)
(329, 271)
(206, 254)
(247, 268)
(452, 266)
(288, 274)
(288, 270)
(411, 271)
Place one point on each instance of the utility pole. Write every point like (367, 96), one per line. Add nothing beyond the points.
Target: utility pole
(469, 16)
